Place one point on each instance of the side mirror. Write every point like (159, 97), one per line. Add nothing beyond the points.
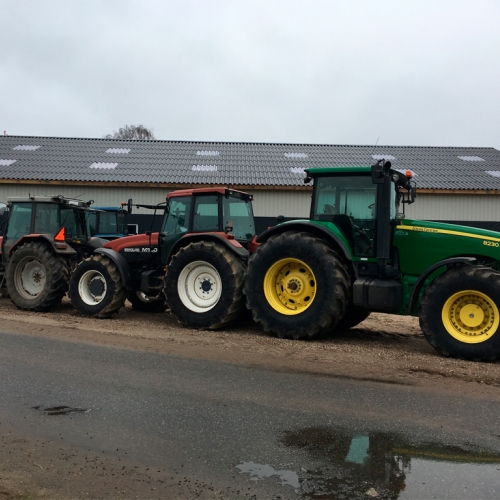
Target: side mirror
(129, 206)
(412, 194)
(3, 208)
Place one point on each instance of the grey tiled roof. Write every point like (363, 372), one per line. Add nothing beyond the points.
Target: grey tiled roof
(244, 164)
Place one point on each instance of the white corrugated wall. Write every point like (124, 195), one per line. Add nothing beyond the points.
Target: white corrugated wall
(271, 203)
(458, 207)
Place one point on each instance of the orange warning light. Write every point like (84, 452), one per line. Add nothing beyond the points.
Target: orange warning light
(61, 235)
(409, 174)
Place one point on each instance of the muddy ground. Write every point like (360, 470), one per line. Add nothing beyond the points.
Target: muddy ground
(384, 348)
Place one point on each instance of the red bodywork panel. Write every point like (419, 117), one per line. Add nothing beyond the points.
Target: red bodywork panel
(253, 245)
(1, 241)
(138, 240)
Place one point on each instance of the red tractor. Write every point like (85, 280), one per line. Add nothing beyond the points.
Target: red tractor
(194, 265)
(44, 238)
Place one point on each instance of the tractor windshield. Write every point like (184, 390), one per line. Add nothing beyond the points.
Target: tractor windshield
(349, 202)
(112, 222)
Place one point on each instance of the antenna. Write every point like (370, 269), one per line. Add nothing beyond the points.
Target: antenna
(376, 142)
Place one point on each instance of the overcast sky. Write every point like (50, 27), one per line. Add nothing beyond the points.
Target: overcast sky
(419, 73)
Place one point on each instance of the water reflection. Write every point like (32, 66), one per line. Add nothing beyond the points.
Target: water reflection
(379, 465)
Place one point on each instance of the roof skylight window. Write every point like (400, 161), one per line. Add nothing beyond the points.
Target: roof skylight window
(493, 173)
(471, 158)
(26, 148)
(118, 150)
(104, 166)
(383, 157)
(295, 155)
(6, 163)
(204, 168)
(207, 153)
(297, 170)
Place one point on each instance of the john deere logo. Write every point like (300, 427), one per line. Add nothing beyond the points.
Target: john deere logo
(401, 233)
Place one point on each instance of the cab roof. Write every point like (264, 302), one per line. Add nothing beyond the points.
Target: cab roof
(313, 172)
(61, 200)
(207, 190)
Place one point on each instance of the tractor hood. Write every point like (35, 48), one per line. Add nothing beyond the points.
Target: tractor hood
(423, 243)
(138, 240)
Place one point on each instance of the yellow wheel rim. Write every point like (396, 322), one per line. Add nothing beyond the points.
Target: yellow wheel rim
(470, 316)
(290, 286)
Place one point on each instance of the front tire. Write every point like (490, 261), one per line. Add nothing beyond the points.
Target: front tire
(459, 314)
(140, 302)
(203, 285)
(96, 287)
(36, 277)
(297, 286)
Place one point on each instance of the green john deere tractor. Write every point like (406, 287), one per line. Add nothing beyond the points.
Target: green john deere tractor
(358, 253)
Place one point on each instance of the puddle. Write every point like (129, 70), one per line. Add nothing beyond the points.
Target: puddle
(332, 464)
(61, 410)
(259, 471)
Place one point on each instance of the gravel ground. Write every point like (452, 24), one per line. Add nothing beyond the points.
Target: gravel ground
(383, 348)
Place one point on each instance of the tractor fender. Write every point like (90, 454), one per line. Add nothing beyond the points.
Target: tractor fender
(417, 286)
(231, 244)
(308, 227)
(59, 247)
(120, 261)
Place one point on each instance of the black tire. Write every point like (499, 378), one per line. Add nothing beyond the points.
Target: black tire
(36, 277)
(324, 299)
(450, 310)
(142, 303)
(4, 292)
(204, 285)
(353, 316)
(96, 288)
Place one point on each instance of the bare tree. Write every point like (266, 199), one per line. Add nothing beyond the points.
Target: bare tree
(133, 132)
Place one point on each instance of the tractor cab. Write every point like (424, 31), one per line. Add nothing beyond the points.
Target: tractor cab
(359, 205)
(61, 220)
(110, 223)
(221, 211)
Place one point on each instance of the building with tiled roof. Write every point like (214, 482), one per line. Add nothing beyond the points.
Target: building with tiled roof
(454, 184)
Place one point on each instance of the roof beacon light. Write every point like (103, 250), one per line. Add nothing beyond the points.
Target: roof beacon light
(61, 235)
(409, 174)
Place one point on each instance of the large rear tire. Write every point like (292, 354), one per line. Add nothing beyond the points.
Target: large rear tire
(459, 313)
(140, 302)
(204, 285)
(96, 287)
(36, 277)
(353, 316)
(297, 286)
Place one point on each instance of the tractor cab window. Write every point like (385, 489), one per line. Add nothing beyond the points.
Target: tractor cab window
(47, 218)
(74, 222)
(177, 215)
(349, 203)
(108, 223)
(19, 220)
(19, 224)
(92, 220)
(237, 213)
(206, 213)
(121, 219)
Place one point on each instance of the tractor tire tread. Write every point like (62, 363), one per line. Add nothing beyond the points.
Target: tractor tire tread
(435, 333)
(329, 261)
(56, 268)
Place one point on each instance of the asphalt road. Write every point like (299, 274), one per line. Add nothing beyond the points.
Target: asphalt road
(218, 430)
